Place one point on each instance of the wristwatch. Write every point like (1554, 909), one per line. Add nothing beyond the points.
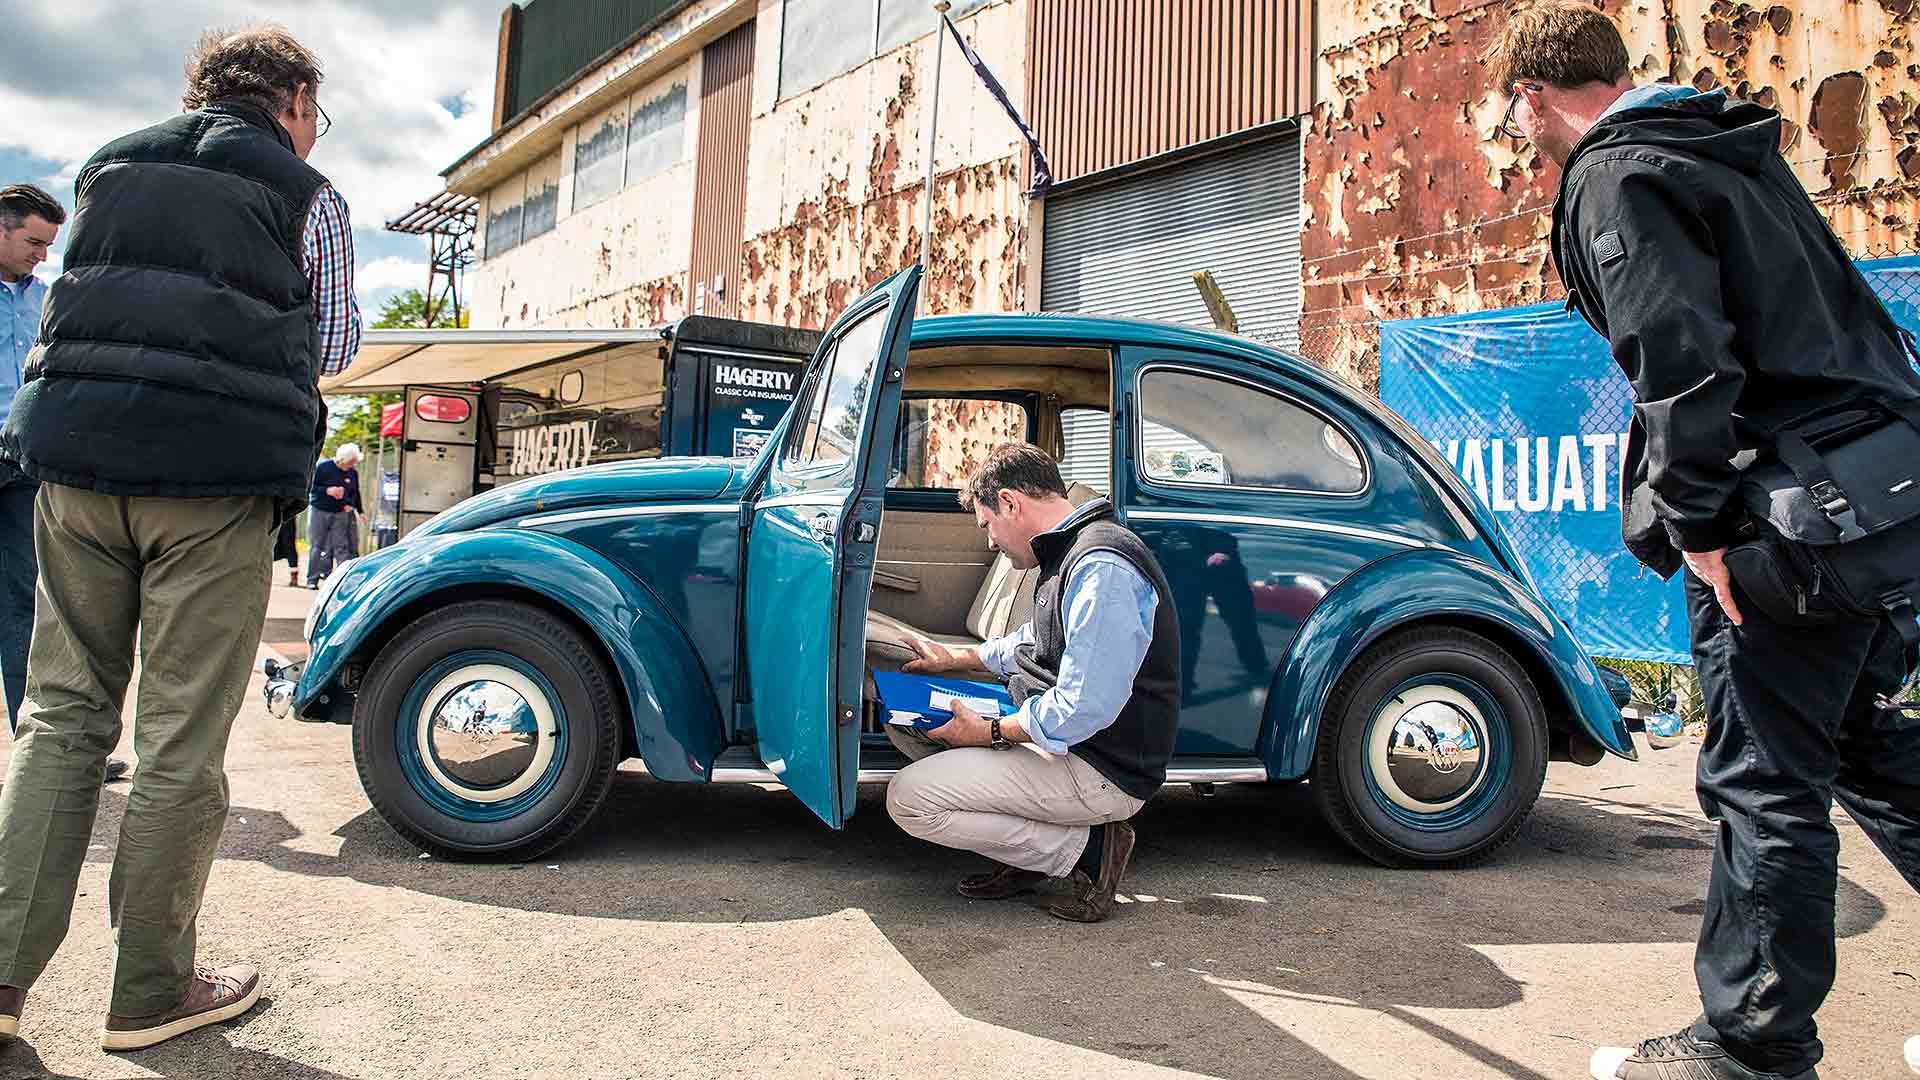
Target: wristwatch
(1000, 742)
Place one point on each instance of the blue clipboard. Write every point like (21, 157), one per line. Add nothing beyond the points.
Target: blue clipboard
(903, 694)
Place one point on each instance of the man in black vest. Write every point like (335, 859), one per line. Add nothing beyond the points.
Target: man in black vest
(171, 414)
(1095, 679)
(1686, 240)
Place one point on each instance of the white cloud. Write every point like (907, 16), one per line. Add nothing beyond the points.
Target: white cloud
(389, 67)
(389, 272)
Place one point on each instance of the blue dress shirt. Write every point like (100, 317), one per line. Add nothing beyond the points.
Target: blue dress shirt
(20, 305)
(1108, 618)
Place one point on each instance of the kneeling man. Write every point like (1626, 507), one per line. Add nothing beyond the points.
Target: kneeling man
(1095, 676)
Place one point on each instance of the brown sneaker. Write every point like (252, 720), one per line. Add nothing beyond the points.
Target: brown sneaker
(12, 1000)
(1001, 883)
(215, 996)
(1093, 900)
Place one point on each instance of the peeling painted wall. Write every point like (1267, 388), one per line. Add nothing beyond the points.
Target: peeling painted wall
(1412, 209)
(619, 262)
(836, 179)
(834, 200)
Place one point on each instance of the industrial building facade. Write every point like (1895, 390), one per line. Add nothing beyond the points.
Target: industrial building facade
(1331, 162)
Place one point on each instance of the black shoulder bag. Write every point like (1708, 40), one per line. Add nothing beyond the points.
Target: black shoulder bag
(1841, 489)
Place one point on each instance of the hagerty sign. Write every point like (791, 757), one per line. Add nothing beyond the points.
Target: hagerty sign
(552, 447)
(744, 400)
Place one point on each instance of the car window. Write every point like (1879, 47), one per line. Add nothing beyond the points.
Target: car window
(1200, 429)
(830, 433)
(1088, 438)
(942, 440)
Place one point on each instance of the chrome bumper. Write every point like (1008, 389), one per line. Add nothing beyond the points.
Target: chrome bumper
(281, 681)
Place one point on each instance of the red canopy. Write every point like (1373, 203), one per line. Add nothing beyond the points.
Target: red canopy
(390, 420)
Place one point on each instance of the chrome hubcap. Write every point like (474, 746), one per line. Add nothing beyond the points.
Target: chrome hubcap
(1426, 748)
(486, 733)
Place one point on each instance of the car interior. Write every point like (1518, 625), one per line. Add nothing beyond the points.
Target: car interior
(935, 577)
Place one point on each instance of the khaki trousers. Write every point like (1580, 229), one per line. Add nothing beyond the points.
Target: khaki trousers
(1014, 806)
(189, 577)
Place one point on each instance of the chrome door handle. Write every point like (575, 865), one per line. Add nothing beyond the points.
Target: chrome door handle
(821, 525)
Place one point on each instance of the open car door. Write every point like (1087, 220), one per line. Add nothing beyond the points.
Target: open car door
(810, 550)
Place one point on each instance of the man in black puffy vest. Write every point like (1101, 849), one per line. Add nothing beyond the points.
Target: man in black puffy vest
(1095, 680)
(171, 414)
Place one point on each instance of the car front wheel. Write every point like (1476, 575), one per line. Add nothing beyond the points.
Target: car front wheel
(1432, 750)
(487, 729)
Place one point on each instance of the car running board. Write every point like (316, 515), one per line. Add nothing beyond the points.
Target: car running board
(741, 766)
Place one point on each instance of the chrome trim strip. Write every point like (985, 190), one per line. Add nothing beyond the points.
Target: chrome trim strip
(830, 497)
(1219, 774)
(1278, 523)
(1238, 774)
(607, 512)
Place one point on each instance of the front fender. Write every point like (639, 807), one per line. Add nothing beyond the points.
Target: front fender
(1423, 584)
(676, 720)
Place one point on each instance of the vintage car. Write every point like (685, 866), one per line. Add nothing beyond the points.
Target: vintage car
(1349, 614)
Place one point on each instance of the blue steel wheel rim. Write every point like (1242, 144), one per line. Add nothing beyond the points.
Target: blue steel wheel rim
(1437, 753)
(427, 778)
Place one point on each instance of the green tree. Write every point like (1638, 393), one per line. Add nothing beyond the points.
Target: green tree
(406, 310)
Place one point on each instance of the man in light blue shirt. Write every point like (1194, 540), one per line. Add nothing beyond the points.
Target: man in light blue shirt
(30, 221)
(1095, 679)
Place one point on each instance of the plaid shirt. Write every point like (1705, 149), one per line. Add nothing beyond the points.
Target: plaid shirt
(327, 258)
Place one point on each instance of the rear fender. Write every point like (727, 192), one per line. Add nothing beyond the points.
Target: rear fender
(1425, 585)
(676, 719)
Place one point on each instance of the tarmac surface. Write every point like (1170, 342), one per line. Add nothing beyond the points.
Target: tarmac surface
(723, 931)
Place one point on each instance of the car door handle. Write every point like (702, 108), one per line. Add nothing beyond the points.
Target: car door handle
(821, 525)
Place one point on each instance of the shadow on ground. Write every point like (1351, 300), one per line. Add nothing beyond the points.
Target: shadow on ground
(205, 1055)
(1248, 887)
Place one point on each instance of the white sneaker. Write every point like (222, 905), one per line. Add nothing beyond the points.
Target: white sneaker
(1913, 1053)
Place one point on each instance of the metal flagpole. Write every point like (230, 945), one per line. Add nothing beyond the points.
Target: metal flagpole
(941, 7)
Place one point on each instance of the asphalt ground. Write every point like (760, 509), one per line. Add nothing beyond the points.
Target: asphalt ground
(723, 931)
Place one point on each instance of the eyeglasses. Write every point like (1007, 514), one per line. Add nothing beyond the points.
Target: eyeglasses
(326, 122)
(1507, 127)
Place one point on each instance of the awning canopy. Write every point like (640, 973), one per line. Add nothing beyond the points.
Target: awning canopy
(395, 359)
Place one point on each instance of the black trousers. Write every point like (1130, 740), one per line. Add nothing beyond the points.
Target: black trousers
(1791, 726)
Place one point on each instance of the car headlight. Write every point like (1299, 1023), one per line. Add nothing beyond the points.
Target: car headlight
(320, 600)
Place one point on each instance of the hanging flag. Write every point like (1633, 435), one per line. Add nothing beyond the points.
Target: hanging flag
(1042, 172)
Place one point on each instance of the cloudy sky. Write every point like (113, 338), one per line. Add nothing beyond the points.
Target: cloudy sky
(409, 84)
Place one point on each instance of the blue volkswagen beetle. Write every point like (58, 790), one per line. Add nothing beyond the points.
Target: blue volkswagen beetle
(1349, 614)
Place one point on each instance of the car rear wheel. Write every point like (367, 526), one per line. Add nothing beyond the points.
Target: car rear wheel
(1432, 750)
(487, 729)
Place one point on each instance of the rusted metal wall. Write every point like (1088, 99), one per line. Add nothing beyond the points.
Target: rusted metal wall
(836, 187)
(720, 183)
(1120, 81)
(1412, 208)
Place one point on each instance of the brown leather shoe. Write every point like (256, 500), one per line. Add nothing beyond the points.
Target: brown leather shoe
(215, 996)
(1001, 883)
(1093, 900)
(12, 1000)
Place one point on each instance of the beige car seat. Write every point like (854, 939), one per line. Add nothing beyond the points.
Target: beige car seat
(1004, 602)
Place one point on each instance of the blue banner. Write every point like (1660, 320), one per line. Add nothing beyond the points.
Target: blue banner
(1528, 406)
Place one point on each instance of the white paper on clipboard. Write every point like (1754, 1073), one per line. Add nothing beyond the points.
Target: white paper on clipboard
(943, 700)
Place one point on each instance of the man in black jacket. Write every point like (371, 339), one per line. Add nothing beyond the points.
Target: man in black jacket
(171, 414)
(1686, 241)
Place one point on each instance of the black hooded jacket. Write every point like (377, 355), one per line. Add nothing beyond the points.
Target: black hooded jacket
(1686, 240)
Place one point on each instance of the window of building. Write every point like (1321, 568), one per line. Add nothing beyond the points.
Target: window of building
(541, 208)
(503, 216)
(823, 38)
(1199, 429)
(656, 136)
(942, 440)
(599, 157)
